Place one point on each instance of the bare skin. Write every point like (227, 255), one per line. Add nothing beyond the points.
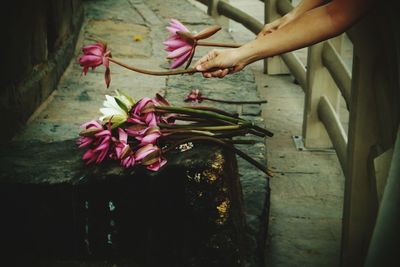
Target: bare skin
(310, 22)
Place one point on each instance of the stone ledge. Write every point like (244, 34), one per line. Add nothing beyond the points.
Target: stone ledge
(188, 214)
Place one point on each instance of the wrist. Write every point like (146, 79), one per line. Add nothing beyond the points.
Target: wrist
(247, 54)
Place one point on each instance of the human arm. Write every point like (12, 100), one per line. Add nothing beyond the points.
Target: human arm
(302, 7)
(312, 26)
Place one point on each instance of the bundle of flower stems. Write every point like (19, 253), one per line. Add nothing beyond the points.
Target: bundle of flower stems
(141, 133)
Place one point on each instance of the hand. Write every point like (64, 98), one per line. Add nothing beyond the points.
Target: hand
(276, 24)
(219, 63)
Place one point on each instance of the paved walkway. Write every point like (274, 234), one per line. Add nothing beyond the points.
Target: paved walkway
(307, 188)
(134, 31)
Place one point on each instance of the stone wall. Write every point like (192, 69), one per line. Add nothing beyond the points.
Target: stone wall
(38, 40)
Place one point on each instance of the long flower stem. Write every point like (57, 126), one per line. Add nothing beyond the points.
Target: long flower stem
(262, 130)
(235, 102)
(151, 72)
(209, 114)
(201, 128)
(191, 111)
(203, 43)
(212, 109)
(224, 144)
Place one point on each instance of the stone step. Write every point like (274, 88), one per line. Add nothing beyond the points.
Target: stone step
(55, 209)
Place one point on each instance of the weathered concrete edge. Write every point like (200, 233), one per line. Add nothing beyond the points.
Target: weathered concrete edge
(39, 85)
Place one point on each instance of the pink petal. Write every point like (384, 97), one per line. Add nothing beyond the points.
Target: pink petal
(172, 30)
(176, 23)
(90, 61)
(101, 156)
(179, 61)
(103, 133)
(156, 166)
(150, 119)
(91, 124)
(128, 162)
(144, 151)
(135, 120)
(175, 43)
(102, 148)
(123, 136)
(179, 52)
(94, 49)
(118, 151)
(85, 141)
(88, 154)
(150, 138)
(140, 105)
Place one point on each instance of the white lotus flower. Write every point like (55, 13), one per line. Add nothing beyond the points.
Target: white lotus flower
(113, 111)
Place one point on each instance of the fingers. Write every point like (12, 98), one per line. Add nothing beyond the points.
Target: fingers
(220, 73)
(207, 61)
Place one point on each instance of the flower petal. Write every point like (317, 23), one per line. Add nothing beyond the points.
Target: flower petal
(179, 52)
(179, 61)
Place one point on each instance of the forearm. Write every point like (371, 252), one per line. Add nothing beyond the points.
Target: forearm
(313, 26)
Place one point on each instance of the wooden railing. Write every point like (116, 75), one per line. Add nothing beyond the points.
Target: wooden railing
(365, 150)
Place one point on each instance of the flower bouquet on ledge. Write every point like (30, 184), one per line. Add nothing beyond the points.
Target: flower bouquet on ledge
(142, 132)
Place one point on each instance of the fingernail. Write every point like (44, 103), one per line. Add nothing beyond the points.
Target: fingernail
(199, 68)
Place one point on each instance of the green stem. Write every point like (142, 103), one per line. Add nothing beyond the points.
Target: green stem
(220, 111)
(191, 111)
(209, 114)
(151, 72)
(201, 128)
(235, 102)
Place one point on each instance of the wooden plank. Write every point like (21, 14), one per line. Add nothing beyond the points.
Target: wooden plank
(335, 130)
(337, 68)
(238, 15)
(374, 120)
(319, 83)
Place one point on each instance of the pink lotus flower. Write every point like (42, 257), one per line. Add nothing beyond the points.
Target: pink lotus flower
(95, 55)
(180, 49)
(194, 96)
(123, 151)
(181, 44)
(146, 136)
(138, 115)
(87, 138)
(98, 139)
(150, 156)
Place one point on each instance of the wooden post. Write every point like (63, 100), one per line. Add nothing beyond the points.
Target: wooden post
(319, 83)
(273, 65)
(374, 118)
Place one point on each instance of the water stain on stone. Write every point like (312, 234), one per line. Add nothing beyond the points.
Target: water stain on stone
(84, 96)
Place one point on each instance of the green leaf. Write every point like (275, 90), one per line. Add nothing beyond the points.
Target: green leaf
(121, 104)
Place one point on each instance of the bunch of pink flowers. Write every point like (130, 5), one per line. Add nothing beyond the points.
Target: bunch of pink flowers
(125, 133)
(142, 133)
